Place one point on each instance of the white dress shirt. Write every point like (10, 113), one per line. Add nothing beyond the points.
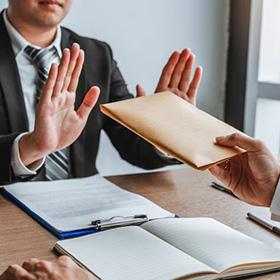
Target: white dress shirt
(28, 75)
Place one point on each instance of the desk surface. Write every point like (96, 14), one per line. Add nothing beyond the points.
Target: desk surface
(185, 192)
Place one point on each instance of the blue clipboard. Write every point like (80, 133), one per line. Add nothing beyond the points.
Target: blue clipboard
(60, 235)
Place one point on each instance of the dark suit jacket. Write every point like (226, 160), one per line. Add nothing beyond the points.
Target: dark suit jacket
(99, 69)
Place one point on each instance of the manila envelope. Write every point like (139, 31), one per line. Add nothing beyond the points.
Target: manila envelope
(174, 126)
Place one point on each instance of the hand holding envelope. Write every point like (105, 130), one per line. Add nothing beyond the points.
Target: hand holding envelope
(175, 127)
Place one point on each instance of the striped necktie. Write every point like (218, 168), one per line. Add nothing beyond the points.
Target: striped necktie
(56, 164)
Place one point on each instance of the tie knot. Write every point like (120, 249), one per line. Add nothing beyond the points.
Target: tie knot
(41, 57)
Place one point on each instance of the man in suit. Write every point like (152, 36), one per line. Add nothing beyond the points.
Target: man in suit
(29, 26)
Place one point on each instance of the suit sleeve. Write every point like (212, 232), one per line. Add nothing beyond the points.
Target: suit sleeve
(131, 147)
(6, 172)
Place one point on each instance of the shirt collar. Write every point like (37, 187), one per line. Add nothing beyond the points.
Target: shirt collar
(19, 43)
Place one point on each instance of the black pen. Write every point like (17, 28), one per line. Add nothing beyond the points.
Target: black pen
(263, 222)
(222, 188)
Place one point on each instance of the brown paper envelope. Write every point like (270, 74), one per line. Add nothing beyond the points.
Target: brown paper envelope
(175, 127)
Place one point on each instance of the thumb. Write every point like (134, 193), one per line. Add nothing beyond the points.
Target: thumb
(88, 102)
(140, 91)
(241, 140)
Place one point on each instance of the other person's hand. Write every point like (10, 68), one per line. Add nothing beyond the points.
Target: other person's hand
(176, 77)
(57, 124)
(252, 176)
(63, 268)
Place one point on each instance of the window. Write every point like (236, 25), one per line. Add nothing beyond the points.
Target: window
(267, 121)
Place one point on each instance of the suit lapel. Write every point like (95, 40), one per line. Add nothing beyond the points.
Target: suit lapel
(77, 148)
(11, 84)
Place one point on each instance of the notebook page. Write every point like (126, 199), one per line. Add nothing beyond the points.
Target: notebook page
(211, 242)
(72, 204)
(131, 253)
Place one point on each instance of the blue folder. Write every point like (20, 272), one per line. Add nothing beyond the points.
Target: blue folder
(60, 235)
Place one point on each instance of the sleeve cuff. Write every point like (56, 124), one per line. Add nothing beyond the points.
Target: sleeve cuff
(275, 204)
(20, 170)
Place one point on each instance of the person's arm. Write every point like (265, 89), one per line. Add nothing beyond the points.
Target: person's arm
(6, 143)
(176, 77)
(33, 269)
(252, 176)
(57, 124)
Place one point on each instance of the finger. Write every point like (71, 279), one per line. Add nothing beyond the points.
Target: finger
(62, 70)
(76, 72)
(16, 272)
(140, 91)
(49, 85)
(88, 103)
(66, 261)
(167, 72)
(241, 140)
(185, 79)
(46, 267)
(179, 68)
(73, 59)
(194, 85)
(21, 273)
(30, 264)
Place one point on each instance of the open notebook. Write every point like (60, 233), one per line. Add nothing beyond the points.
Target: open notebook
(175, 127)
(185, 248)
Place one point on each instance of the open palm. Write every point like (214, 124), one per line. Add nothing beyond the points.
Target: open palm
(176, 77)
(57, 124)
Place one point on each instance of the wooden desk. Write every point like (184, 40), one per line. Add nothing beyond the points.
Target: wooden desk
(185, 192)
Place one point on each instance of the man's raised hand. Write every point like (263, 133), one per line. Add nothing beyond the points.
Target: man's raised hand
(57, 124)
(176, 77)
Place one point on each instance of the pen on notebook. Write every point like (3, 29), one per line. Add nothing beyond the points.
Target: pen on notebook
(222, 188)
(263, 222)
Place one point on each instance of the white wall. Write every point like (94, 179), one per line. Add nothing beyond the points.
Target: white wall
(267, 127)
(143, 34)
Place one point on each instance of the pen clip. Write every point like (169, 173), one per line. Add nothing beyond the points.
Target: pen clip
(119, 221)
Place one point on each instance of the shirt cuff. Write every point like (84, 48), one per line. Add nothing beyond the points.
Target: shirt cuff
(275, 204)
(20, 170)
